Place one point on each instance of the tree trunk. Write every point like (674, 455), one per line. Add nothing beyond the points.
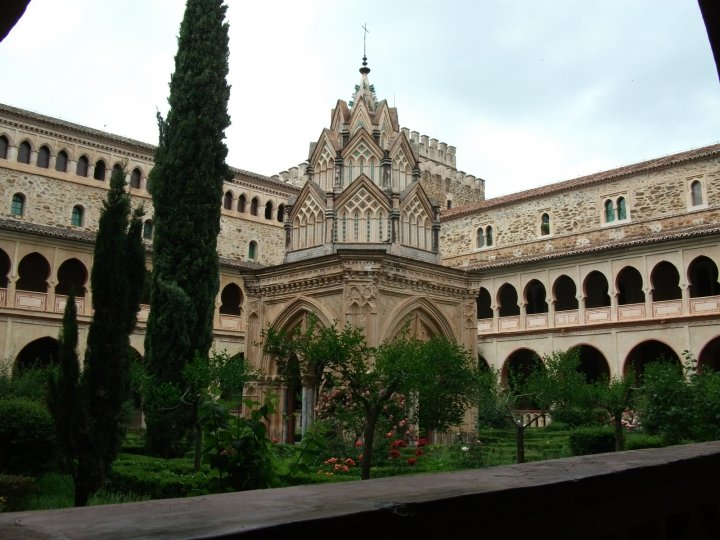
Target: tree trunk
(198, 446)
(369, 439)
(619, 435)
(520, 441)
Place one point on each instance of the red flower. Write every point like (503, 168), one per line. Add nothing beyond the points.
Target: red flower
(358, 443)
(422, 442)
(419, 452)
(394, 453)
(349, 462)
(412, 461)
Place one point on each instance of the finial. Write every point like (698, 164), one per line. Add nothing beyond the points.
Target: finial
(365, 70)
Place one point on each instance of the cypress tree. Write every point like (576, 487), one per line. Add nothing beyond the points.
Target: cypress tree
(64, 391)
(116, 279)
(186, 185)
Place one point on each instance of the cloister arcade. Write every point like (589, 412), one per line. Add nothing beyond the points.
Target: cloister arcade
(38, 287)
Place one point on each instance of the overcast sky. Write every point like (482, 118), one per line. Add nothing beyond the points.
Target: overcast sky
(529, 91)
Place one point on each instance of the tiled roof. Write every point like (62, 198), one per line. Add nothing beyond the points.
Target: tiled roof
(693, 232)
(635, 168)
(88, 237)
(111, 138)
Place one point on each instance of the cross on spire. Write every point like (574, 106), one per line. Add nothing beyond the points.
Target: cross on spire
(364, 27)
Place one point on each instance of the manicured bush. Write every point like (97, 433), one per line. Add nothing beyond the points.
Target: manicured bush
(27, 438)
(594, 440)
(639, 441)
(14, 491)
(155, 477)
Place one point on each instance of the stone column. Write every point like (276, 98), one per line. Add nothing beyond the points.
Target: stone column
(339, 170)
(685, 289)
(12, 153)
(51, 284)
(648, 302)
(11, 290)
(551, 313)
(581, 308)
(523, 315)
(496, 317)
(614, 306)
(386, 166)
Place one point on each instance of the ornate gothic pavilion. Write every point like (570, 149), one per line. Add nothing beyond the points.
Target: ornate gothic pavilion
(378, 228)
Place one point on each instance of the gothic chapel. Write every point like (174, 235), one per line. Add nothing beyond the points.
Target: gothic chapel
(362, 247)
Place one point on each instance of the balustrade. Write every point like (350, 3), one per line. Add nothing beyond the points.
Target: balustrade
(626, 313)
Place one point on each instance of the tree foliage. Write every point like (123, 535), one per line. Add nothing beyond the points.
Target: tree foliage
(186, 186)
(440, 372)
(552, 385)
(90, 410)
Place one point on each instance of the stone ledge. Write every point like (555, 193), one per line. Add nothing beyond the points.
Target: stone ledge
(656, 493)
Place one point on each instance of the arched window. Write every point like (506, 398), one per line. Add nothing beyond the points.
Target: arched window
(535, 298)
(135, 178)
(596, 290)
(381, 222)
(621, 208)
(4, 269)
(24, 152)
(99, 170)
(43, 157)
(356, 227)
(480, 238)
(281, 213)
(254, 204)
(61, 161)
(696, 193)
(484, 308)
(252, 250)
(508, 301)
(148, 230)
(269, 210)
(78, 214)
(545, 224)
(489, 236)
(703, 277)
(231, 299)
(565, 294)
(629, 286)
(4, 145)
(665, 281)
(368, 226)
(83, 164)
(72, 277)
(34, 271)
(17, 208)
(228, 201)
(242, 203)
(609, 211)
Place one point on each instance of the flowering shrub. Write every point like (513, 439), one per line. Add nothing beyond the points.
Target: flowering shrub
(335, 465)
(630, 421)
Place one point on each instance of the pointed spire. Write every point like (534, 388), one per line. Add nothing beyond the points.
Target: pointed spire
(365, 90)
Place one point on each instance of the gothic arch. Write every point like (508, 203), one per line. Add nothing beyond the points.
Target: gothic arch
(299, 308)
(425, 312)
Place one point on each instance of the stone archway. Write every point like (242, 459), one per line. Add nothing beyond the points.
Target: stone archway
(646, 352)
(709, 357)
(42, 352)
(592, 363)
(301, 384)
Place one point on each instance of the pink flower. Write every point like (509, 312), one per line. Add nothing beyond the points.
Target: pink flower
(349, 462)
(358, 443)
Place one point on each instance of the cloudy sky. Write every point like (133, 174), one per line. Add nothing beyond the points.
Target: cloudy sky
(529, 91)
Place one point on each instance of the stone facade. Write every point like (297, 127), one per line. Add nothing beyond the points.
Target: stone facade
(379, 228)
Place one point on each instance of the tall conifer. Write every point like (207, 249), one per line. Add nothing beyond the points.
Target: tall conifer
(186, 185)
(116, 279)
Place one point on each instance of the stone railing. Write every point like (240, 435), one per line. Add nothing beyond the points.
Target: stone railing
(627, 313)
(656, 493)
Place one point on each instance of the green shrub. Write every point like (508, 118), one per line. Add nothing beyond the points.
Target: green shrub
(155, 477)
(593, 440)
(639, 441)
(28, 383)
(27, 438)
(14, 491)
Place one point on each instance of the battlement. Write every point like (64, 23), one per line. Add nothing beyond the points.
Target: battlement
(430, 148)
(294, 175)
